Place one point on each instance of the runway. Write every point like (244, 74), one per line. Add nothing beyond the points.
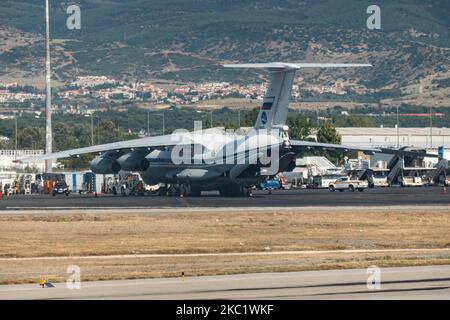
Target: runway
(425, 196)
(431, 282)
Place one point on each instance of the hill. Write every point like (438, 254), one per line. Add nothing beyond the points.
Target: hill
(185, 40)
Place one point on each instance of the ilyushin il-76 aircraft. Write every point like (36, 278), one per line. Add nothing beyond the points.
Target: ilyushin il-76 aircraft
(187, 163)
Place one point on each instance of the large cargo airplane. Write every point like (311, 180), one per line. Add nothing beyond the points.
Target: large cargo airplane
(187, 163)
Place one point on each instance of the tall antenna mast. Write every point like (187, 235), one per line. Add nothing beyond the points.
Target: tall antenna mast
(48, 109)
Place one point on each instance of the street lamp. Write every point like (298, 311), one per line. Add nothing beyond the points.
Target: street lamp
(239, 118)
(15, 130)
(92, 127)
(163, 122)
(398, 130)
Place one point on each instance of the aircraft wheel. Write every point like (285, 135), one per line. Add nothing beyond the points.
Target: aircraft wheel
(182, 191)
(172, 191)
(162, 191)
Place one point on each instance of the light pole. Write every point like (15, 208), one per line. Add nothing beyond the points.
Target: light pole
(48, 109)
(239, 118)
(92, 130)
(398, 130)
(431, 128)
(92, 127)
(148, 123)
(163, 122)
(15, 129)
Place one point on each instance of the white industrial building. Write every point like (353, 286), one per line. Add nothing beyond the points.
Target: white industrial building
(8, 160)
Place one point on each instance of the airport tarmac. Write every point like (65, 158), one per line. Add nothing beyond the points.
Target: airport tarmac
(424, 196)
(429, 282)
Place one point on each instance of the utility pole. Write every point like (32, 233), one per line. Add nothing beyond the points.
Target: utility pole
(431, 128)
(148, 123)
(15, 123)
(239, 118)
(163, 117)
(48, 109)
(92, 129)
(398, 130)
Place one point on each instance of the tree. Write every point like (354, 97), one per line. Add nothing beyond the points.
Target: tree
(250, 118)
(327, 133)
(31, 138)
(299, 127)
(107, 132)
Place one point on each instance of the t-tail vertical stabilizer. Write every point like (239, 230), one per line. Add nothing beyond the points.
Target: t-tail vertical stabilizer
(275, 106)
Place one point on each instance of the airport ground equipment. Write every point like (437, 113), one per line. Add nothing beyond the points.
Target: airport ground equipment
(61, 187)
(132, 185)
(50, 180)
(409, 170)
(377, 177)
(441, 174)
(26, 182)
(346, 183)
(89, 183)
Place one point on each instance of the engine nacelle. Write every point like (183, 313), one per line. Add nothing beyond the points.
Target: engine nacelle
(134, 161)
(105, 165)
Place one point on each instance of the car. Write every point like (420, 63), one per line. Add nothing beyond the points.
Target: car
(346, 183)
(60, 188)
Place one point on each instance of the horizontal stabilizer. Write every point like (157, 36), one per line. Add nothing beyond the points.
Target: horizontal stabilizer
(294, 66)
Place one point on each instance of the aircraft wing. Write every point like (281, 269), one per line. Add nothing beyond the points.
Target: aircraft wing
(308, 145)
(148, 142)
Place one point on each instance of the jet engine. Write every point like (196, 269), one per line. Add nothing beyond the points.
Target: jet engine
(105, 165)
(133, 161)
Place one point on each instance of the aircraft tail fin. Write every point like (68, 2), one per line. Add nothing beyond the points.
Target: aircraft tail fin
(274, 109)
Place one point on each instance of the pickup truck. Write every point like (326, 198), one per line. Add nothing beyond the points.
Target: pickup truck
(346, 183)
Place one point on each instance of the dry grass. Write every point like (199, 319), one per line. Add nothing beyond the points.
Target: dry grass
(34, 236)
(287, 230)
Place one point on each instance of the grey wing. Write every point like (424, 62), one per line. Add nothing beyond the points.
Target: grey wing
(149, 142)
(308, 145)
